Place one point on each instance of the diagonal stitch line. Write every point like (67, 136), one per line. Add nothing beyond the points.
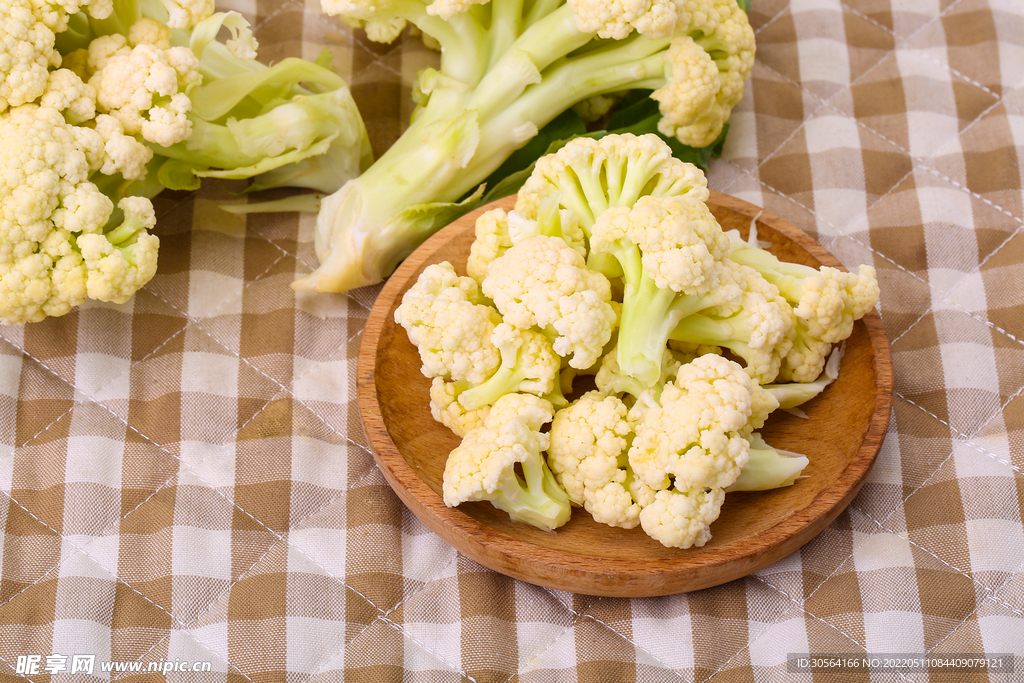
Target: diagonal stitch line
(14, 671)
(914, 543)
(802, 608)
(319, 669)
(223, 496)
(989, 599)
(964, 438)
(591, 617)
(554, 641)
(116, 578)
(992, 592)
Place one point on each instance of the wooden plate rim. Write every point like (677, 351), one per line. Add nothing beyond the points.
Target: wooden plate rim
(609, 576)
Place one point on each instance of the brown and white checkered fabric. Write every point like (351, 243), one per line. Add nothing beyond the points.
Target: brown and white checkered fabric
(184, 478)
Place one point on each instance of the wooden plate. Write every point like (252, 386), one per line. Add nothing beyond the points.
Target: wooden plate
(841, 436)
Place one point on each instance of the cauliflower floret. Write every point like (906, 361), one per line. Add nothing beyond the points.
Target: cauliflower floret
(496, 231)
(47, 207)
(446, 9)
(483, 466)
(147, 31)
(542, 282)
(446, 320)
(588, 176)
(758, 325)
(611, 380)
(669, 251)
(825, 303)
(528, 364)
(618, 18)
(446, 409)
(144, 88)
(67, 93)
(187, 13)
(714, 30)
(681, 518)
(121, 261)
(26, 53)
(694, 436)
(589, 442)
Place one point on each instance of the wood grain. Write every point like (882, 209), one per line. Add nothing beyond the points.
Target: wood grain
(841, 436)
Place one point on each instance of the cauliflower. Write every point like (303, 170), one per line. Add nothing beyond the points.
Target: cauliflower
(445, 318)
(681, 518)
(826, 301)
(144, 87)
(706, 68)
(507, 70)
(496, 231)
(446, 409)
(669, 251)
(693, 437)
(588, 176)
(56, 249)
(588, 456)
(616, 20)
(542, 282)
(612, 381)
(528, 364)
(484, 466)
(26, 52)
(759, 326)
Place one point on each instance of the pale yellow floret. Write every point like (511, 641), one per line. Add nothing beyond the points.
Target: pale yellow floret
(47, 207)
(67, 93)
(616, 19)
(187, 13)
(26, 52)
(491, 241)
(446, 320)
(496, 231)
(112, 274)
(502, 461)
(679, 239)
(446, 9)
(588, 176)
(693, 436)
(147, 31)
(542, 282)
(121, 153)
(589, 439)
(144, 87)
(446, 409)
(721, 31)
(682, 518)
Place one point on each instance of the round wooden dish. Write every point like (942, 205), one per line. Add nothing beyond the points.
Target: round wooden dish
(841, 436)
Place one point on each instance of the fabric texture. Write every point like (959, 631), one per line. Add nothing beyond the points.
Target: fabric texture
(184, 478)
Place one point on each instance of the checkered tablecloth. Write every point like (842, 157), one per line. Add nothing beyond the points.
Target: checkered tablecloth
(185, 479)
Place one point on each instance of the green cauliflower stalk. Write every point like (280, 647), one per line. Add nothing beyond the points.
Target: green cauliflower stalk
(508, 68)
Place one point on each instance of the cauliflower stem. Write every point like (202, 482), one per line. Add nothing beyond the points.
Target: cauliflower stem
(507, 69)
